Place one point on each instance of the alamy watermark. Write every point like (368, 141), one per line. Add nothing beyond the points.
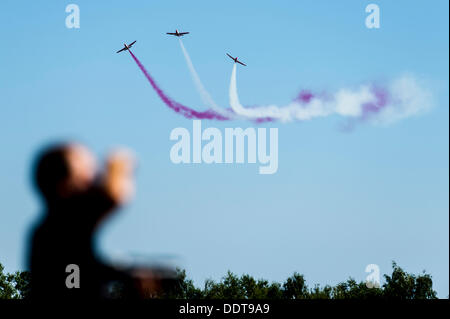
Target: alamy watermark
(73, 279)
(373, 19)
(373, 278)
(73, 19)
(191, 150)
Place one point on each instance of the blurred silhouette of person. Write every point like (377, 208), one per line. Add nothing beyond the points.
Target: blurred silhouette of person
(77, 200)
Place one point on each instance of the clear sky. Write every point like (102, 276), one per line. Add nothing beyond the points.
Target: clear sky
(339, 201)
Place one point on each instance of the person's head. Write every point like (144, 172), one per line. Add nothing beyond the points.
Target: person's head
(64, 170)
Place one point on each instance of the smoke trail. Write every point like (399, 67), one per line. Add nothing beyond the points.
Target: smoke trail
(177, 107)
(402, 98)
(186, 111)
(234, 99)
(204, 94)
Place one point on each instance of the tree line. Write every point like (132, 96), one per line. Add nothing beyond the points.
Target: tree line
(398, 285)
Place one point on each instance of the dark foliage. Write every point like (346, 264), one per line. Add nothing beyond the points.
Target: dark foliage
(398, 285)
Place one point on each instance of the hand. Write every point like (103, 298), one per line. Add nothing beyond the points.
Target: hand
(118, 177)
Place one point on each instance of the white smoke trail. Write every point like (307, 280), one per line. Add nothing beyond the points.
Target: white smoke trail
(402, 98)
(204, 94)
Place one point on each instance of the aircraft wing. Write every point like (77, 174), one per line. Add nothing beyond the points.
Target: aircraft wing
(183, 33)
(171, 33)
(241, 63)
(131, 43)
(121, 50)
(230, 56)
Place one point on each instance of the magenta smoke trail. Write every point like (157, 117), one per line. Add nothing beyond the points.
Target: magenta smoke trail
(381, 101)
(177, 107)
(304, 99)
(381, 95)
(184, 110)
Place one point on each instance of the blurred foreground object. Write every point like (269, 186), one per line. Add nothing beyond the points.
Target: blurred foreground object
(78, 196)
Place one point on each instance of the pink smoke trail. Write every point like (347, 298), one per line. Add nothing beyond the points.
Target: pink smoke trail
(184, 110)
(304, 98)
(177, 107)
(381, 101)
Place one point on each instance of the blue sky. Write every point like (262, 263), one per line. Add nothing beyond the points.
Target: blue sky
(339, 201)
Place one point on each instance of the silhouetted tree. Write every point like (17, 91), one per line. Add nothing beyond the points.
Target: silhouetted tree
(401, 285)
(14, 286)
